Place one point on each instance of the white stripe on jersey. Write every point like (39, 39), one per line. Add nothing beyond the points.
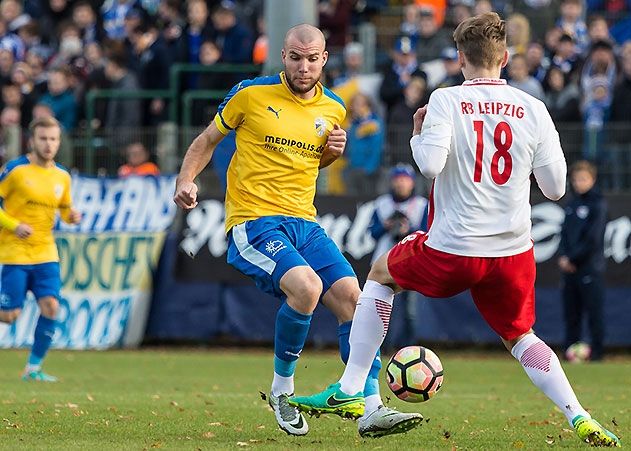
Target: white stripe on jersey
(495, 135)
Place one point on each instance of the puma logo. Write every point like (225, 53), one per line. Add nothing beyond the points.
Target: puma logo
(269, 108)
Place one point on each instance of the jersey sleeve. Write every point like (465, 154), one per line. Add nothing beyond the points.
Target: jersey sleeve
(231, 112)
(438, 124)
(548, 149)
(4, 182)
(65, 203)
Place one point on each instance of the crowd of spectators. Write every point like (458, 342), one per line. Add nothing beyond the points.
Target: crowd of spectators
(573, 55)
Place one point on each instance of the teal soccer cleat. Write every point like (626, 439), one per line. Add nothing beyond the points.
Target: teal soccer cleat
(38, 376)
(332, 400)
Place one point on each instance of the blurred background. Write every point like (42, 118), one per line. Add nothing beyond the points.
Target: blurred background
(134, 81)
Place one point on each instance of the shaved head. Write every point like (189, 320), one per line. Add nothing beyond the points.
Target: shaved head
(305, 34)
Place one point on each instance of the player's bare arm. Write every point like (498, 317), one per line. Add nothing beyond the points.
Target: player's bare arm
(197, 157)
(335, 145)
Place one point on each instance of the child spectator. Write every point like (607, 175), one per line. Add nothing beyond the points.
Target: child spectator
(138, 162)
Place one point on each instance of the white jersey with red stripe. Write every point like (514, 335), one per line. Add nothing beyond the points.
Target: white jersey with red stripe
(495, 135)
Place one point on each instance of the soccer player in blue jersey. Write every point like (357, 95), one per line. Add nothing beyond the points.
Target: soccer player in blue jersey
(286, 130)
(32, 189)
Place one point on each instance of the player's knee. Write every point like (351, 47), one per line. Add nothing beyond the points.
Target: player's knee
(379, 271)
(309, 290)
(9, 316)
(49, 306)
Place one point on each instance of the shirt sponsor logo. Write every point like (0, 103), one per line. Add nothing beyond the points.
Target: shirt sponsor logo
(59, 190)
(269, 108)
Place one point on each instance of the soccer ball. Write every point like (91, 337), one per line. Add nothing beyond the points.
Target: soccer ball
(414, 374)
(579, 352)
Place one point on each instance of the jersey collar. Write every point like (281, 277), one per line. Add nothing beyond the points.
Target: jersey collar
(313, 99)
(484, 81)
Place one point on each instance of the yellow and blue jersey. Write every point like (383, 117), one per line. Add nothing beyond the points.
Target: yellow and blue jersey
(32, 194)
(280, 139)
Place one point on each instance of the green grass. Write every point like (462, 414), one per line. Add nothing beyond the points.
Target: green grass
(210, 400)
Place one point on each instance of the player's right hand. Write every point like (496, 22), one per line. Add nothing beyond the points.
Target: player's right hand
(185, 195)
(23, 230)
(418, 118)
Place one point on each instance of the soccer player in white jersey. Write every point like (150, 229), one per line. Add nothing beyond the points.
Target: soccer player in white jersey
(480, 142)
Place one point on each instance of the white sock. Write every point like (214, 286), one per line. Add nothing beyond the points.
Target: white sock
(370, 325)
(282, 384)
(544, 370)
(372, 403)
(30, 368)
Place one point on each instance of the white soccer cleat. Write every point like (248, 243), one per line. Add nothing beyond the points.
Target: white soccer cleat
(288, 417)
(387, 421)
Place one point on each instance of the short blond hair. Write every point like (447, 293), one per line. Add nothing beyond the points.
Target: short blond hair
(44, 122)
(482, 39)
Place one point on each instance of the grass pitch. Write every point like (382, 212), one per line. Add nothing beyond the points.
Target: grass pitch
(190, 400)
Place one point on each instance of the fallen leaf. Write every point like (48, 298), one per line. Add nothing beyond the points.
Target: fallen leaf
(253, 440)
(261, 426)
(72, 405)
(263, 396)
(549, 440)
(446, 434)
(208, 434)
(89, 396)
(216, 423)
(613, 421)
(173, 403)
(242, 444)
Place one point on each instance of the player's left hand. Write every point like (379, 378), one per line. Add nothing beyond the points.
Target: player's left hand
(74, 216)
(336, 141)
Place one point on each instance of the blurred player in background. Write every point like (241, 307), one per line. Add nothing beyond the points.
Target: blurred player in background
(287, 128)
(32, 189)
(480, 141)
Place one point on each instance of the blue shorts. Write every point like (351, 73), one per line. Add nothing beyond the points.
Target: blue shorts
(43, 279)
(266, 248)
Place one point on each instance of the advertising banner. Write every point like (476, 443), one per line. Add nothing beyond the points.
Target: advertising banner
(107, 263)
(202, 241)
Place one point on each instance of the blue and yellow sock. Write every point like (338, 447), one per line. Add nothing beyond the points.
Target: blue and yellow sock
(43, 337)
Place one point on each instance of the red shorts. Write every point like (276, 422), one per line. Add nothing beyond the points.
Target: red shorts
(503, 288)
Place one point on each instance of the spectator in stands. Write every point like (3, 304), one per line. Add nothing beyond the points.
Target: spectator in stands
(113, 13)
(261, 43)
(122, 113)
(399, 72)
(353, 63)
(21, 76)
(459, 11)
(153, 73)
(619, 117)
(84, 17)
(41, 110)
(596, 103)
(581, 258)
(35, 58)
(29, 34)
(10, 41)
(10, 116)
(334, 17)
(517, 33)
(197, 30)
(70, 45)
(551, 41)
(138, 162)
(170, 22)
(482, 6)
(600, 63)
(415, 95)
(566, 56)
(411, 23)
(54, 13)
(453, 71)
(365, 146)
(562, 96)
(571, 23)
(234, 39)
(598, 29)
(6, 65)
(433, 39)
(438, 10)
(61, 99)
(536, 60)
(397, 214)
(520, 79)
(12, 97)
